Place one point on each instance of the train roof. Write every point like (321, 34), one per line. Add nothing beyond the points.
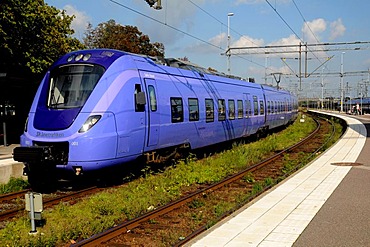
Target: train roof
(108, 56)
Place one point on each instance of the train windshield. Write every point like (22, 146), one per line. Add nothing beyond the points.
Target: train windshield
(71, 85)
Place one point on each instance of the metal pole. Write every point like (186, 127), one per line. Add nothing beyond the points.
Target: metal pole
(341, 82)
(322, 89)
(32, 212)
(4, 131)
(300, 66)
(228, 42)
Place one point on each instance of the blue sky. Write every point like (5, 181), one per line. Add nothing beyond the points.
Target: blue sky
(197, 29)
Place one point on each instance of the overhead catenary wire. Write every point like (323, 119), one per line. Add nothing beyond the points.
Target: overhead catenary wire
(179, 30)
(287, 24)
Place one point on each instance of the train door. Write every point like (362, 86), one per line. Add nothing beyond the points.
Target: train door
(153, 113)
(247, 113)
(265, 107)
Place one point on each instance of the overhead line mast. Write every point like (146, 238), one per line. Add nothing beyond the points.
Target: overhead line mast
(288, 49)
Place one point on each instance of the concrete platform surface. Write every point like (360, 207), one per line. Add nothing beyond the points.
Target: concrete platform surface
(279, 217)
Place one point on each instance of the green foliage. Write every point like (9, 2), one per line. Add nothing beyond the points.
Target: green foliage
(126, 38)
(14, 184)
(196, 203)
(257, 187)
(33, 35)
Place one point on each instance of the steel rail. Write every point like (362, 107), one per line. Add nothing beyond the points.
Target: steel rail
(46, 202)
(13, 195)
(126, 226)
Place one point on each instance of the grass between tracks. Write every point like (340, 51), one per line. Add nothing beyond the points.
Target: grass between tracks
(101, 211)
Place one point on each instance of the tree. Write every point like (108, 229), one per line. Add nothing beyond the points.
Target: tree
(127, 38)
(33, 35)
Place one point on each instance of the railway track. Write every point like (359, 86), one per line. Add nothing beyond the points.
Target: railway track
(135, 232)
(15, 201)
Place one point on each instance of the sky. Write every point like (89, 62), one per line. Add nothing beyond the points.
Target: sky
(198, 30)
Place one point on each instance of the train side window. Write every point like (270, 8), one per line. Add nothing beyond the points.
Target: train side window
(221, 110)
(139, 98)
(240, 109)
(152, 98)
(231, 104)
(248, 108)
(177, 110)
(255, 105)
(268, 108)
(193, 109)
(262, 108)
(210, 116)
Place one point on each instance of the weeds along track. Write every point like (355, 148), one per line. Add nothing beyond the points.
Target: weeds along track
(176, 223)
(12, 204)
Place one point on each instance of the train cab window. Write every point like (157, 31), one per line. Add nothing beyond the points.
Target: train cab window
(210, 116)
(262, 107)
(255, 105)
(240, 109)
(71, 85)
(221, 110)
(248, 108)
(177, 112)
(193, 109)
(152, 98)
(231, 104)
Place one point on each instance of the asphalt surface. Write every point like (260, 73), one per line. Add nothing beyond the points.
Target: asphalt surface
(344, 220)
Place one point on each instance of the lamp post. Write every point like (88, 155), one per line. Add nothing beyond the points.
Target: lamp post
(322, 89)
(228, 42)
(341, 82)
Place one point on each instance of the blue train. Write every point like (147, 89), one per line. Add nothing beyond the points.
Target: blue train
(100, 108)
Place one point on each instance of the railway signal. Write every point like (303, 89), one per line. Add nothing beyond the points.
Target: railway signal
(156, 4)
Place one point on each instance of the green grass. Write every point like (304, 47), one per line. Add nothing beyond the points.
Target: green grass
(101, 211)
(14, 184)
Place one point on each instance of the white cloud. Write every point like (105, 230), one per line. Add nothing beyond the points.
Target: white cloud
(205, 48)
(80, 22)
(246, 41)
(312, 29)
(337, 29)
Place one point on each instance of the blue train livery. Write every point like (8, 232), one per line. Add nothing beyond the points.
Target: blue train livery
(100, 108)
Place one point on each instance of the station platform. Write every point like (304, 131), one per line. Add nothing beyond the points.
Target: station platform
(8, 167)
(327, 203)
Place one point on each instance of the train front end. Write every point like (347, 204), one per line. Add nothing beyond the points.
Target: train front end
(70, 129)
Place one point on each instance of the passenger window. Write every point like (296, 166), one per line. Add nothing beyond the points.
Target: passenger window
(255, 103)
(262, 108)
(177, 112)
(272, 107)
(210, 117)
(276, 107)
(221, 110)
(153, 98)
(193, 110)
(231, 109)
(248, 108)
(240, 109)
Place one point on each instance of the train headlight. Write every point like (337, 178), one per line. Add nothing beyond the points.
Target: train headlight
(89, 123)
